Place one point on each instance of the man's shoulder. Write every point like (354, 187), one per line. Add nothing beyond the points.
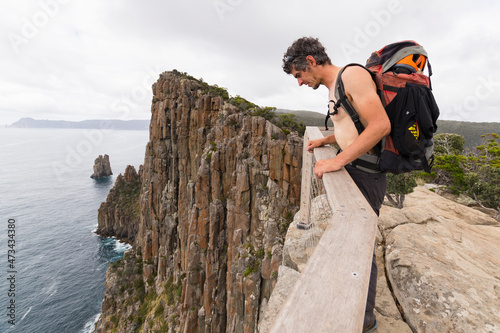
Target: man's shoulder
(356, 77)
(354, 71)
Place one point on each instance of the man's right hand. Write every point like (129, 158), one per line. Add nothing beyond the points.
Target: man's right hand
(314, 144)
(321, 142)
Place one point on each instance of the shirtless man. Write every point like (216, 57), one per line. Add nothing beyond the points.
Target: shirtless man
(307, 61)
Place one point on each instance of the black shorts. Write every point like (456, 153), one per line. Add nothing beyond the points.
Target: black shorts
(372, 185)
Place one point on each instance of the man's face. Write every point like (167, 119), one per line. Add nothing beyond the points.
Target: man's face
(306, 77)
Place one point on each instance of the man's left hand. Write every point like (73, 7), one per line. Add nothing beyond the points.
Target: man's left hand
(323, 166)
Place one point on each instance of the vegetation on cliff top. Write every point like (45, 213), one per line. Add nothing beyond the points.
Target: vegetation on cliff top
(475, 173)
(287, 122)
(212, 90)
(126, 196)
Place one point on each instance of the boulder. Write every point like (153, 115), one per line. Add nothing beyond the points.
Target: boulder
(287, 278)
(438, 266)
(102, 168)
(300, 244)
(442, 262)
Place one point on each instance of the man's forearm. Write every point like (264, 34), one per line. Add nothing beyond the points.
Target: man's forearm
(329, 140)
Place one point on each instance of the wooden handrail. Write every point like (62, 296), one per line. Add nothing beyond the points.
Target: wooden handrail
(330, 295)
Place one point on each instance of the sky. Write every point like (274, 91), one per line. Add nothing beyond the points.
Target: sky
(78, 60)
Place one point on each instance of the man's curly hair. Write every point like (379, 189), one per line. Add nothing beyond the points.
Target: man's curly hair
(295, 56)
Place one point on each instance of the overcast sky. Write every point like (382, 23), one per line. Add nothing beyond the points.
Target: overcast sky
(76, 60)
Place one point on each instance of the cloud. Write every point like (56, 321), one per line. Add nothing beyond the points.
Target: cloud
(98, 59)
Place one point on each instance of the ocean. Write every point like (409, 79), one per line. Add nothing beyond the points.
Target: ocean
(53, 264)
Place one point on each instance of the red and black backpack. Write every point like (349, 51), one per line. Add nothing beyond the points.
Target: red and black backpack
(405, 92)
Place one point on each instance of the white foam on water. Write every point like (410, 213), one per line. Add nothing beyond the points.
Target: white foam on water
(121, 247)
(22, 318)
(90, 325)
(51, 290)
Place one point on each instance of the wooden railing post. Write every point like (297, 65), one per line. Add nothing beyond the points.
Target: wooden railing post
(330, 295)
(305, 186)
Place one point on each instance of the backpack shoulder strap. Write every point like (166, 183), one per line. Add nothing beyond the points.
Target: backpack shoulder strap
(343, 101)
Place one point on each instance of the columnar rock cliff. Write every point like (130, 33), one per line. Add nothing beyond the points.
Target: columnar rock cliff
(119, 215)
(219, 188)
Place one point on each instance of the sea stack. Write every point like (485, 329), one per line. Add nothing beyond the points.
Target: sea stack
(102, 168)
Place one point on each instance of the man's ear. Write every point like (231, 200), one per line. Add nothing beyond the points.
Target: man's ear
(311, 61)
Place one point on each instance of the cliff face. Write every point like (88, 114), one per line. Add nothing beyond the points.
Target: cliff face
(119, 215)
(219, 188)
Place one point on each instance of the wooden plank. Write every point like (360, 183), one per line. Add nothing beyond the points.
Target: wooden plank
(341, 190)
(305, 190)
(330, 295)
(325, 133)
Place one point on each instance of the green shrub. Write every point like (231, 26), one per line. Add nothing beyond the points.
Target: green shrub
(242, 103)
(141, 314)
(164, 328)
(476, 174)
(484, 185)
(172, 290)
(253, 267)
(266, 113)
(260, 253)
(289, 121)
(215, 90)
(178, 289)
(398, 186)
(448, 144)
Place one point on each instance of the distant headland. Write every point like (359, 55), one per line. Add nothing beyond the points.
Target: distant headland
(96, 123)
(471, 131)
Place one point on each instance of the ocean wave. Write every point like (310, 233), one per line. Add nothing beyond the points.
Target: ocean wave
(63, 269)
(22, 318)
(51, 290)
(121, 247)
(118, 245)
(90, 325)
